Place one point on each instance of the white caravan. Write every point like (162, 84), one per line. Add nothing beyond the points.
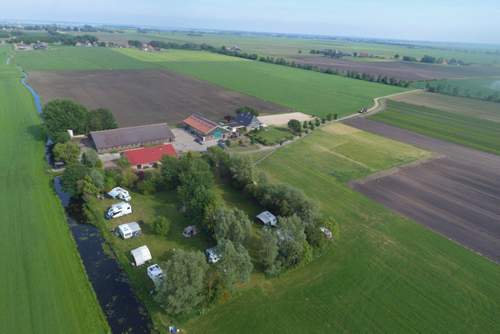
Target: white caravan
(119, 210)
(120, 193)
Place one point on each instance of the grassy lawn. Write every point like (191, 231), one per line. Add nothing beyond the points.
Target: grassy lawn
(465, 130)
(384, 274)
(305, 91)
(44, 287)
(77, 58)
(272, 135)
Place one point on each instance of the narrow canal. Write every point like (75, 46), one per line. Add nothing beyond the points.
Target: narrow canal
(124, 312)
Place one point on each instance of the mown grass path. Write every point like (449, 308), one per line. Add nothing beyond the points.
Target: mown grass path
(44, 288)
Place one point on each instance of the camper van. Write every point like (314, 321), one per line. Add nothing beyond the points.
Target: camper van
(130, 230)
(119, 210)
(156, 274)
(120, 193)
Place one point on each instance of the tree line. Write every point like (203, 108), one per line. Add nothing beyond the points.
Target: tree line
(453, 90)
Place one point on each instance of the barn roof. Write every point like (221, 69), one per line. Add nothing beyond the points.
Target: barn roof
(147, 155)
(200, 123)
(136, 135)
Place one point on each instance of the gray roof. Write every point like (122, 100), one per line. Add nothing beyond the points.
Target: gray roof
(245, 119)
(137, 135)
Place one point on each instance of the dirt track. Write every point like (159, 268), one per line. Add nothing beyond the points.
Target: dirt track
(143, 97)
(457, 195)
(399, 70)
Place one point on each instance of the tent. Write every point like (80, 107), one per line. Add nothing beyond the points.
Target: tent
(141, 255)
(267, 218)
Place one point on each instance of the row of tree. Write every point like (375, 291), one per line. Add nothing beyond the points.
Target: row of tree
(426, 59)
(54, 37)
(62, 115)
(448, 88)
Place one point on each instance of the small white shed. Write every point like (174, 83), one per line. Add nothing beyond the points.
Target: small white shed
(141, 255)
(267, 218)
(130, 230)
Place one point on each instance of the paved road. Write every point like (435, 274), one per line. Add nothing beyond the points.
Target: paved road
(457, 194)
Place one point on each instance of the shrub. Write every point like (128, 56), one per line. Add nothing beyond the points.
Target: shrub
(161, 226)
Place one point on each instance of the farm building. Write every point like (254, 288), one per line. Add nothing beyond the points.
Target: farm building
(126, 138)
(204, 128)
(267, 218)
(245, 122)
(148, 157)
(141, 255)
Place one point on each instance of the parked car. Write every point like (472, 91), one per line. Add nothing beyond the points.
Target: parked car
(119, 210)
(120, 193)
(213, 255)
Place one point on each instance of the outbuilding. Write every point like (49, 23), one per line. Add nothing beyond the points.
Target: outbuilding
(148, 157)
(268, 219)
(203, 128)
(127, 138)
(141, 255)
(130, 230)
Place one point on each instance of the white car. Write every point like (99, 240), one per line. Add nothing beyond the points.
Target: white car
(213, 255)
(119, 210)
(120, 193)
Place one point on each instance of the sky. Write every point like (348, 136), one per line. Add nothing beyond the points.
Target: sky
(429, 20)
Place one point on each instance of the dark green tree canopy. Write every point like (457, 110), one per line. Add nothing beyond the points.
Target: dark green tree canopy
(62, 115)
(183, 290)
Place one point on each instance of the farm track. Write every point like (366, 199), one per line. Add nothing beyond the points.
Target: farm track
(456, 195)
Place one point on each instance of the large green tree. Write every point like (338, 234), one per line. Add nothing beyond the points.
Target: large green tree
(231, 224)
(66, 152)
(183, 289)
(62, 115)
(235, 265)
(101, 119)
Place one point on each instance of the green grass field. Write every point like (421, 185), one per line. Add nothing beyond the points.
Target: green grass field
(77, 58)
(464, 106)
(44, 287)
(465, 130)
(273, 135)
(385, 274)
(305, 91)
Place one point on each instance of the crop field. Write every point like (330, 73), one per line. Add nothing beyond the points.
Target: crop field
(398, 69)
(455, 194)
(468, 107)
(461, 129)
(384, 273)
(285, 46)
(304, 91)
(76, 58)
(44, 287)
(138, 97)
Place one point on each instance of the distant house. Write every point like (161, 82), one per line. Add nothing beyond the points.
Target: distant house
(127, 138)
(148, 157)
(268, 219)
(203, 128)
(245, 121)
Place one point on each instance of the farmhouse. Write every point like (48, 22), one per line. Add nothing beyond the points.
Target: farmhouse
(203, 128)
(245, 122)
(126, 138)
(148, 157)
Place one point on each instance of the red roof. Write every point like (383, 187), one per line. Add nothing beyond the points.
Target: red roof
(200, 124)
(148, 155)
